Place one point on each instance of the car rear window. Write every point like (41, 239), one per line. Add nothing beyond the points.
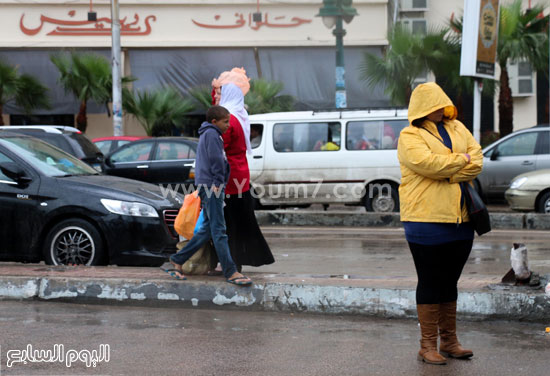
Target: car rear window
(83, 148)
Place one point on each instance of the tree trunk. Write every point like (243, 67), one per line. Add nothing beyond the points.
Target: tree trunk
(460, 107)
(1, 117)
(408, 93)
(505, 104)
(81, 119)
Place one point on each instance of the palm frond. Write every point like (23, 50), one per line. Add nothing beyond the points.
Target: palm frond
(31, 94)
(202, 95)
(157, 111)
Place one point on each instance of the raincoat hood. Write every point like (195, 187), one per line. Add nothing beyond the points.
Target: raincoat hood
(427, 98)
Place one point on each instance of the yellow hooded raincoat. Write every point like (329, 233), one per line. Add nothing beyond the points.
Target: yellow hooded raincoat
(431, 172)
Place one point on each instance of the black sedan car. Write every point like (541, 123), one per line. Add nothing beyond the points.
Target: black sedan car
(164, 161)
(54, 207)
(68, 139)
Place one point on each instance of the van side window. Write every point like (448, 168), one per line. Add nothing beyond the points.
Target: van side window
(374, 135)
(307, 137)
(256, 132)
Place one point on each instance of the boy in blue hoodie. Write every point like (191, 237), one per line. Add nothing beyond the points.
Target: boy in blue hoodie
(211, 174)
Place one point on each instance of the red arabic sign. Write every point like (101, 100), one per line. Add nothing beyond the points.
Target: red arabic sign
(85, 27)
(240, 22)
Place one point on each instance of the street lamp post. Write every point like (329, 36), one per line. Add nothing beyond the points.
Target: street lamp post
(334, 13)
(117, 69)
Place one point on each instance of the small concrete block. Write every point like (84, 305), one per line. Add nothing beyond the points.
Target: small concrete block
(507, 220)
(537, 221)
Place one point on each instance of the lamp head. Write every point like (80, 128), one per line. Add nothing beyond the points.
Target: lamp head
(336, 8)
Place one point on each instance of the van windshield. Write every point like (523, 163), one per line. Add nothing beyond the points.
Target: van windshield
(47, 159)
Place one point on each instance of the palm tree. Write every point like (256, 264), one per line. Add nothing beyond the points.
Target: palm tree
(24, 90)
(263, 97)
(401, 64)
(446, 66)
(157, 111)
(86, 76)
(410, 55)
(202, 94)
(521, 37)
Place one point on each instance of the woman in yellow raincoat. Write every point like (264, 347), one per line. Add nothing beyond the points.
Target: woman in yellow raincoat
(437, 153)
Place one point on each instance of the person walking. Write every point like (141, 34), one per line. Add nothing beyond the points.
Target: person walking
(246, 241)
(437, 154)
(211, 174)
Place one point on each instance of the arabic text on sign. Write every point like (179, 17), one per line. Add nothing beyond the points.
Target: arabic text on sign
(85, 27)
(240, 22)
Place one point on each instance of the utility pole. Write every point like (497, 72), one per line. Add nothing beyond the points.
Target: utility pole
(117, 71)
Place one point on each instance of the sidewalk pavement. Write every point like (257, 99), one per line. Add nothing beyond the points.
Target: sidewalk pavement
(499, 220)
(375, 286)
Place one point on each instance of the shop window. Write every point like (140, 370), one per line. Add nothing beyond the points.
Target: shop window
(59, 119)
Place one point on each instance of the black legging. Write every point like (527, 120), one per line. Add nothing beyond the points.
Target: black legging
(438, 268)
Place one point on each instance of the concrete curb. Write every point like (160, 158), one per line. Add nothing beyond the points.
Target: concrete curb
(529, 305)
(518, 221)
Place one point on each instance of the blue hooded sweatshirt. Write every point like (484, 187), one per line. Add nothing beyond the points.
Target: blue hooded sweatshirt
(211, 166)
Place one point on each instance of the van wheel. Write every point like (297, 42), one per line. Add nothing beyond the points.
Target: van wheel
(73, 241)
(379, 201)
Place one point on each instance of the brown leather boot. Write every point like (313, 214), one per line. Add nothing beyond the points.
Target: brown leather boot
(449, 345)
(428, 316)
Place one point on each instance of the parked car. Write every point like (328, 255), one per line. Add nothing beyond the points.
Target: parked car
(519, 152)
(109, 144)
(58, 209)
(68, 139)
(165, 161)
(327, 157)
(530, 191)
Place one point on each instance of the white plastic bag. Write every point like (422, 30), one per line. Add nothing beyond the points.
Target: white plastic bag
(518, 257)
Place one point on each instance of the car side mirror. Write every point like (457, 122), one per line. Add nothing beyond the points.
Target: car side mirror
(13, 171)
(108, 162)
(494, 155)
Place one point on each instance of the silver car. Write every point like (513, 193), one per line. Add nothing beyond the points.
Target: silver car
(519, 152)
(530, 191)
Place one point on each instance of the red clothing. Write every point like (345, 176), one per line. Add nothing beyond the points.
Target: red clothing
(235, 149)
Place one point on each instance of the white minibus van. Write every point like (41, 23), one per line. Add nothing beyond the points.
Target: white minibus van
(327, 157)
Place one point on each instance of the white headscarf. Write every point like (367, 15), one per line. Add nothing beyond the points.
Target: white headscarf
(232, 98)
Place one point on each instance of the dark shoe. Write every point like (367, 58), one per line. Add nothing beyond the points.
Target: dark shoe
(449, 345)
(428, 316)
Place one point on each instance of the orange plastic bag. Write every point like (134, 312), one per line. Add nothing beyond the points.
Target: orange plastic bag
(188, 215)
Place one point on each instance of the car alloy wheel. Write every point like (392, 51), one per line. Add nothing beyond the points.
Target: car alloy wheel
(544, 203)
(73, 242)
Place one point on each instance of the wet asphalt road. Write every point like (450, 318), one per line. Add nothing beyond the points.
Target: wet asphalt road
(379, 252)
(163, 341)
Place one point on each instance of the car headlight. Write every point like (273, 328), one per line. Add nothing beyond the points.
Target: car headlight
(518, 183)
(134, 209)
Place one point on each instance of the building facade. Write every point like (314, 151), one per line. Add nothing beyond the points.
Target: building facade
(186, 43)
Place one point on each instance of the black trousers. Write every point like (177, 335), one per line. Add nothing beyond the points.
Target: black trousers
(438, 268)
